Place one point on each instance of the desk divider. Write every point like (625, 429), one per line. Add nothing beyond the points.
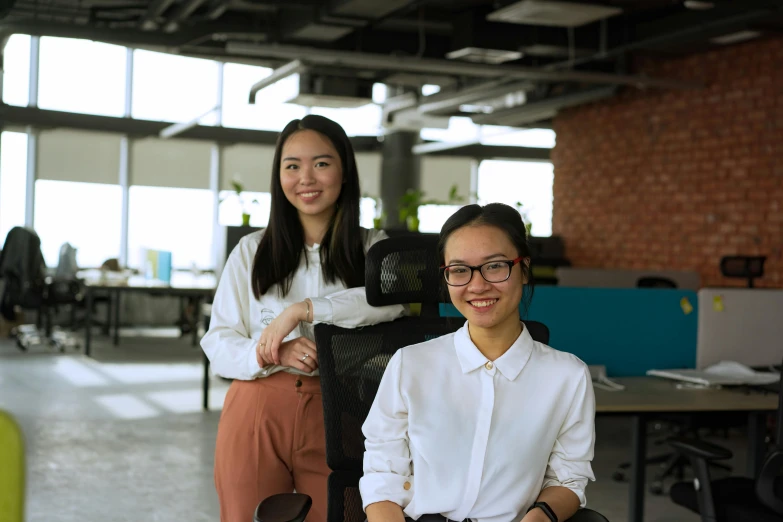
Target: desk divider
(629, 330)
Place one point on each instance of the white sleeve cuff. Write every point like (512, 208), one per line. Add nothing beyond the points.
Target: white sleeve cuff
(253, 369)
(389, 487)
(322, 310)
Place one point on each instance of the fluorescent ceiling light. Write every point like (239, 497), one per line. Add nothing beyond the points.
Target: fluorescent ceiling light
(739, 36)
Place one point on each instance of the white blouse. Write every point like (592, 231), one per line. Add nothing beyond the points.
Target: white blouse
(452, 433)
(238, 318)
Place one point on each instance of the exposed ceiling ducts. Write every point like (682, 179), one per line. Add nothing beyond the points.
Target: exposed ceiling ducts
(503, 62)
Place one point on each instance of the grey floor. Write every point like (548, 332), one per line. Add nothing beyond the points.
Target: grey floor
(121, 436)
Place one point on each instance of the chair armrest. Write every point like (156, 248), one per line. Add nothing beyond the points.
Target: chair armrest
(765, 484)
(699, 449)
(284, 507)
(587, 515)
(700, 453)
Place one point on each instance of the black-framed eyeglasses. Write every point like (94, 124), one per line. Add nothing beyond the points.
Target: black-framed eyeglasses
(492, 272)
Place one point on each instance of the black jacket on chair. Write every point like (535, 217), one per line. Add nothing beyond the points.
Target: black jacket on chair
(23, 271)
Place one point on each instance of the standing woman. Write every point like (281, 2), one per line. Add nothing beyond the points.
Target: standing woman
(305, 268)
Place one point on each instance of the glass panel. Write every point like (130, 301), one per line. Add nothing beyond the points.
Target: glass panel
(512, 182)
(177, 220)
(13, 181)
(82, 76)
(432, 217)
(16, 70)
(174, 88)
(86, 215)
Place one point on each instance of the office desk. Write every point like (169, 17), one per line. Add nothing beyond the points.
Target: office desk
(647, 397)
(183, 284)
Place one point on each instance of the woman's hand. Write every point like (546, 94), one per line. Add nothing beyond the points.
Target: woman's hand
(281, 326)
(299, 353)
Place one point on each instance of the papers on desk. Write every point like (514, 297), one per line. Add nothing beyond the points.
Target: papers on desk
(724, 373)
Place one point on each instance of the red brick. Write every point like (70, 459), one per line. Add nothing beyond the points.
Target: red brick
(678, 179)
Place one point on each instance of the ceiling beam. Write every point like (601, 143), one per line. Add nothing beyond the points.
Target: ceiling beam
(384, 62)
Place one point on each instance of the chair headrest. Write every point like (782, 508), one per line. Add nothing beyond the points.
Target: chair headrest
(404, 269)
(742, 266)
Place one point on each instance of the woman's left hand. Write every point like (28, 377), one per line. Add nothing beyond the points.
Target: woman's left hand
(280, 327)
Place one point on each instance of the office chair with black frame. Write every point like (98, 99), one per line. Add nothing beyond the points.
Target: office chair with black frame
(28, 286)
(732, 499)
(352, 361)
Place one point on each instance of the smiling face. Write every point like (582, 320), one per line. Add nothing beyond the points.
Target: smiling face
(485, 305)
(311, 173)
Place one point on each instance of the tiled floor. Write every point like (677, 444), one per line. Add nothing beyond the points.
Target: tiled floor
(121, 437)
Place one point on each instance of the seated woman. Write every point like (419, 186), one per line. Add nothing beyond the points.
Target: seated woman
(485, 423)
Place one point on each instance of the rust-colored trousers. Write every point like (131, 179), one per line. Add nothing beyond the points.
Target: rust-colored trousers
(271, 440)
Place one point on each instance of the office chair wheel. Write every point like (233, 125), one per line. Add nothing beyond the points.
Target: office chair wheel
(656, 488)
(619, 476)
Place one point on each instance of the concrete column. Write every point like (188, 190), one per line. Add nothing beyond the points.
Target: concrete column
(400, 170)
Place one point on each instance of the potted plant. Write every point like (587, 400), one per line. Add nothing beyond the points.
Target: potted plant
(525, 220)
(380, 215)
(413, 199)
(245, 203)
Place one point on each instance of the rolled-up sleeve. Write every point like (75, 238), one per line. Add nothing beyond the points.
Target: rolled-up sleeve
(349, 308)
(227, 342)
(387, 457)
(569, 464)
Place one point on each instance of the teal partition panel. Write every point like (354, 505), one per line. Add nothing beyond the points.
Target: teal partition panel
(628, 330)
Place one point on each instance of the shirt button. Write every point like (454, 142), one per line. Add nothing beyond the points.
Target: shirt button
(406, 486)
(489, 366)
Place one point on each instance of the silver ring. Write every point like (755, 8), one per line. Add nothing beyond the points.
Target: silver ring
(305, 356)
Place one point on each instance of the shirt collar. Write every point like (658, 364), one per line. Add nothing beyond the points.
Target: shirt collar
(509, 364)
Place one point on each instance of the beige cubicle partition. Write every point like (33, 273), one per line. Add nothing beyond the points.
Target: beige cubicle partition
(611, 278)
(740, 324)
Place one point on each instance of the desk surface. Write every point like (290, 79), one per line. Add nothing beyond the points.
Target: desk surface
(656, 395)
(185, 281)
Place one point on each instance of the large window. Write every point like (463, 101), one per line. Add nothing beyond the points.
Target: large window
(268, 112)
(16, 70)
(174, 88)
(514, 182)
(177, 220)
(13, 181)
(432, 217)
(82, 76)
(86, 215)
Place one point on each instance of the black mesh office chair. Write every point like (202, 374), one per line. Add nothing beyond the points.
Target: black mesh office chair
(732, 499)
(352, 362)
(743, 267)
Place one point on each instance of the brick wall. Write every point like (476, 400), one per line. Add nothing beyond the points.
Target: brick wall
(678, 179)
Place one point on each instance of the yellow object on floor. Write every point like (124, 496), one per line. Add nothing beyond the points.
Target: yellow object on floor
(12, 470)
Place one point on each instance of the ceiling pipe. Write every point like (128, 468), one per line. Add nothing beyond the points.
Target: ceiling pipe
(691, 31)
(485, 91)
(278, 74)
(430, 66)
(544, 109)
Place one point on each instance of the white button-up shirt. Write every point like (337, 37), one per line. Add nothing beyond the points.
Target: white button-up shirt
(238, 318)
(455, 434)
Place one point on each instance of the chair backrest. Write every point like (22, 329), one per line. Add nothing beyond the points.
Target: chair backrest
(743, 267)
(405, 269)
(655, 282)
(12, 470)
(351, 364)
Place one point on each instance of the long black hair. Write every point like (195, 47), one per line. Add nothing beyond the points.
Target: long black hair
(498, 215)
(342, 248)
